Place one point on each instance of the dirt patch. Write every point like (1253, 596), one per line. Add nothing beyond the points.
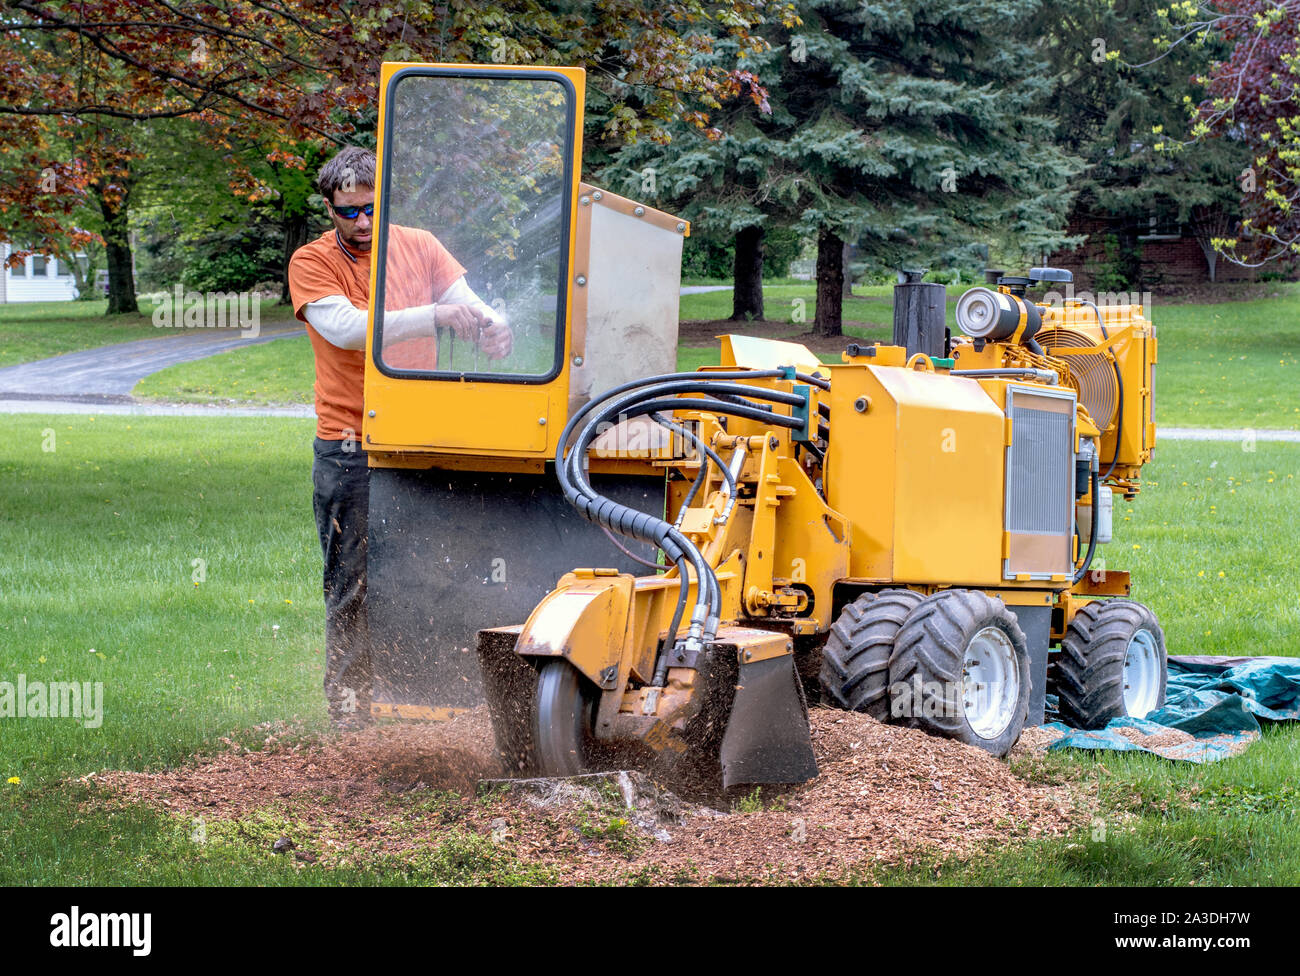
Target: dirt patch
(387, 796)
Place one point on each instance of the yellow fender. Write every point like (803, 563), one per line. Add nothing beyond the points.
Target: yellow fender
(584, 620)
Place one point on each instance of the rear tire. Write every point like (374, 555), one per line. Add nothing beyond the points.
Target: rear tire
(855, 659)
(960, 669)
(1112, 664)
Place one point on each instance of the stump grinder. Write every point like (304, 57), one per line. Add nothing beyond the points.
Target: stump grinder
(638, 566)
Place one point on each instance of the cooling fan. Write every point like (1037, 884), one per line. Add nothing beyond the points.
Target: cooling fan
(1094, 373)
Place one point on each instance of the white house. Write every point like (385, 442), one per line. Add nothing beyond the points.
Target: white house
(37, 279)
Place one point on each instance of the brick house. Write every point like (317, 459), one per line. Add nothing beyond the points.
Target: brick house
(1170, 253)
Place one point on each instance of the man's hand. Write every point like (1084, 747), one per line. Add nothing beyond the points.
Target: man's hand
(496, 340)
(465, 320)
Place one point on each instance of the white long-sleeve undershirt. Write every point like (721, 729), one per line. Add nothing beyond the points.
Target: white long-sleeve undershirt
(342, 324)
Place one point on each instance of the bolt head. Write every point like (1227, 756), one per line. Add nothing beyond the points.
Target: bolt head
(372, 413)
(542, 421)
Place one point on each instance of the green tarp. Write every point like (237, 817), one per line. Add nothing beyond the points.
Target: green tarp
(1213, 709)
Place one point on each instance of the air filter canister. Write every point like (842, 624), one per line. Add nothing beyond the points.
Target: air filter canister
(986, 314)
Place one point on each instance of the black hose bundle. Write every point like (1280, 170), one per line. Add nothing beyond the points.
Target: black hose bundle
(715, 393)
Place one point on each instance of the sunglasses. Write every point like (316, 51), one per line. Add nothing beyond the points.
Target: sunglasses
(350, 213)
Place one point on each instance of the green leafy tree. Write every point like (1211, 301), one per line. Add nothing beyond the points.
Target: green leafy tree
(1122, 97)
(1251, 97)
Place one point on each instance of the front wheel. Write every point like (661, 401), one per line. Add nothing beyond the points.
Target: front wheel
(960, 669)
(564, 714)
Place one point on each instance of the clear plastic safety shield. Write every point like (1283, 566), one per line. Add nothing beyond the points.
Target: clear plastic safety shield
(473, 230)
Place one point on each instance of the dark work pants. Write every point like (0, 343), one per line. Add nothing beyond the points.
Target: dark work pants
(341, 498)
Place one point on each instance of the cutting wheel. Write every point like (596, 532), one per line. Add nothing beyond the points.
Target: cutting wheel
(563, 718)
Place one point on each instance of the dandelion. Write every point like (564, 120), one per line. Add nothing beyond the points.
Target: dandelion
(14, 780)
(42, 658)
(1201, 573)
(1222, 574)
(1136, 546)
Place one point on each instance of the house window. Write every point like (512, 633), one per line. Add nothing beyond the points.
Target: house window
(38, 266)
(20, 271)
(1162, 226)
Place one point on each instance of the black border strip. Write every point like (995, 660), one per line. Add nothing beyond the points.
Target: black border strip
(381, 257)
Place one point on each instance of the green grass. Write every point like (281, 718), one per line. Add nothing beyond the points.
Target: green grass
(100, 537)
(37, 330)
(280, 371)
(1230, 365)
(173, 559)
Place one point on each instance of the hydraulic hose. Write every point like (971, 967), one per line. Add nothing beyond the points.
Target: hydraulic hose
(1094, 485)
(628, 552)
(639, 525)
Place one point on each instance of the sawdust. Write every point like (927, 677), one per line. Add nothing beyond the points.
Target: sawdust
(354, 766)
(884, 795)
(1155, 740)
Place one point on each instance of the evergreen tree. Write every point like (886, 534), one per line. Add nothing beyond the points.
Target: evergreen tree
(915, 130)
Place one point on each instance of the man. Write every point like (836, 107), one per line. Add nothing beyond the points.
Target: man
(329, 282)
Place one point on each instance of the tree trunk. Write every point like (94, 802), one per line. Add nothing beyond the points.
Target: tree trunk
(115, 207)
(78, 277)
(830, 285)
(296, 231)
(747, 276)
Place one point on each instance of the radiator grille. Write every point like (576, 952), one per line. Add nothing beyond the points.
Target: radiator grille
(1040, 483)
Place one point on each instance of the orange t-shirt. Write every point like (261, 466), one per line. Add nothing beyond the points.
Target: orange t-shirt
(419, 269)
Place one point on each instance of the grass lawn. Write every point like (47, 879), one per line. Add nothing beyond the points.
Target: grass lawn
(37, 330)
(277, 372)
(175, 560)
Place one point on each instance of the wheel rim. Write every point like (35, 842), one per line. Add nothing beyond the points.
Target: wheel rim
(562, 721)
(1141, 674)
(990, 683)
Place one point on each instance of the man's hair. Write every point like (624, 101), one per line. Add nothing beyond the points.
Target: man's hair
(351, 167)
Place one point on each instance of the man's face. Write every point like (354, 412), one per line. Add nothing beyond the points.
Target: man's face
(356, 232)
